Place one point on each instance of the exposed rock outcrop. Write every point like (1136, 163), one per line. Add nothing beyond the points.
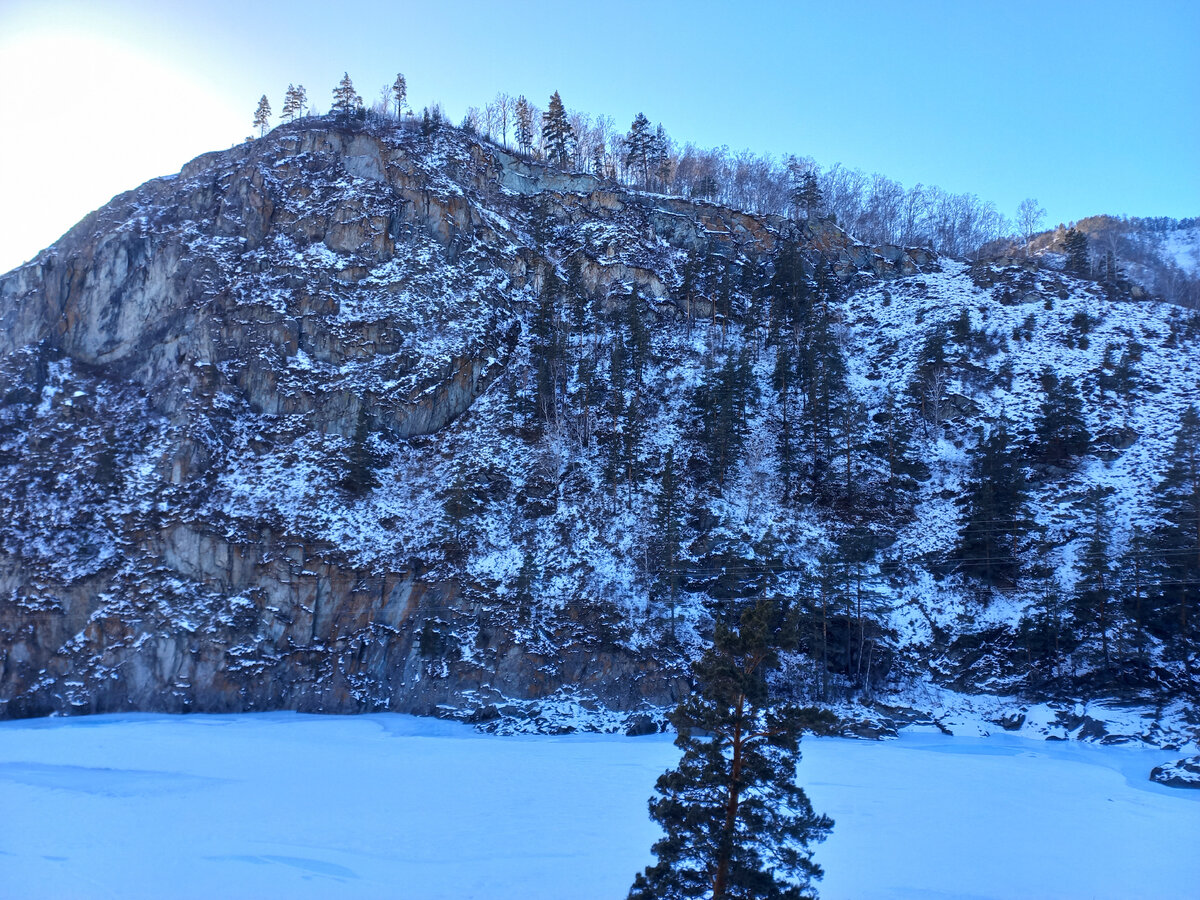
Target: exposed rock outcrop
(355, 417)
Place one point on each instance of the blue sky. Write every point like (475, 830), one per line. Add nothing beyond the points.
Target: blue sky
(1089, 107)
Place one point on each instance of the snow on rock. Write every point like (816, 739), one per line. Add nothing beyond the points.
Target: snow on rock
(1181, 773)
(187, 374)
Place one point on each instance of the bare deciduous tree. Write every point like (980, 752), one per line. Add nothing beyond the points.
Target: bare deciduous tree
(1029, 217)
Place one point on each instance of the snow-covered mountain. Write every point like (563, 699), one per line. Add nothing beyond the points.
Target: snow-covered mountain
(1159, 256)
(355, 417)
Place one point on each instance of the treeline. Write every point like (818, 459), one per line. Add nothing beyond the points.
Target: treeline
(1119, 246)
(873, 208)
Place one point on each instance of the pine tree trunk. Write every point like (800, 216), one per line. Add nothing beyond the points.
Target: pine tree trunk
(721, 879)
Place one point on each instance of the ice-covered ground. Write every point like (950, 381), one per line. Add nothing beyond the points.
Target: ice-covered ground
(283, 805)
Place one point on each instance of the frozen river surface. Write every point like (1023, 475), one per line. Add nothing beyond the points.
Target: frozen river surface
(291, 806)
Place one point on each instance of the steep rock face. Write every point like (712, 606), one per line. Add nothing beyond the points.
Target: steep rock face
(309, 279)
(194, 520)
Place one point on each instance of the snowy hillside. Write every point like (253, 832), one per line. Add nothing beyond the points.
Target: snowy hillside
(353, 418)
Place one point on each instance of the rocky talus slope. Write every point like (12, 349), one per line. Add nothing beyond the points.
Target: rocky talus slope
(270, 437)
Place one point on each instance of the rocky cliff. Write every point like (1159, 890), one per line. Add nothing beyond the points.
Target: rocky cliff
(274, 434)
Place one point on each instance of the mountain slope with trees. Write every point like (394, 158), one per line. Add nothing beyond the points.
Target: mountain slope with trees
(377, 415)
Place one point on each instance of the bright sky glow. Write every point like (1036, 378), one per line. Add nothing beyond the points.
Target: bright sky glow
(1090, 109)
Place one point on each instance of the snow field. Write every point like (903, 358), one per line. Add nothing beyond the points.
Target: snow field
(284, 805)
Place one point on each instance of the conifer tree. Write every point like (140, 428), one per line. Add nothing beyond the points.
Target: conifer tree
(788, 290)
(993, 510)
(345, 99)
(810, 198)
(737, 824)
(586, 390)
(400, 94)
(897, 447)
(667, 524)
(1133, 583)
(932, 375)
(1045, 630)
(459, 504)
(1095, 585)
(523, 589)
(722, 400)
(361, 459)
(1174, 544)
(783, 380)
(660, 157)
(576, 291)
(524, 121)
(823, 374)
(1075, 245)
(262, 115)
(548, 350)
(638, 148)
(557, 132)
(291, 104)
(1059, 429)
(639, 337)
(301, 100)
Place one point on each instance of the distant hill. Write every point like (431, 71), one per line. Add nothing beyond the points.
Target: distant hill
(1161, 255)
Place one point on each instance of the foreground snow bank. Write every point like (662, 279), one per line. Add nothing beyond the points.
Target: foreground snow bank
(283, 805)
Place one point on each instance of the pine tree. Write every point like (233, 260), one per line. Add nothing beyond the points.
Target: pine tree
(788, 290)
(897, 447)
(345, 100)
(639, 337)
(548, 349)
(721, 402)
(667, 526)
(1096, 578)
(291, 104)
(931, 377)
(1045, 629)
(1174, 544)
(262, 115)
(810, 198)
(524, 117)
(301, 100)
(637, 148)
(660, 157)
(1134, 585)
(361, 459)
(1059, 429)
(823, 374)
(400, 94)
(1075, 245)
(783, 380)
(737, 824)
(557, 132)
(993, 510)
(523, 589)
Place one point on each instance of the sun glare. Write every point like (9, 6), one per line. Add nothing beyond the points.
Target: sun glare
(104, 118)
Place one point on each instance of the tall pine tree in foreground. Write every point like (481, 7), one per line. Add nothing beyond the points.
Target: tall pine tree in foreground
(736, 823)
